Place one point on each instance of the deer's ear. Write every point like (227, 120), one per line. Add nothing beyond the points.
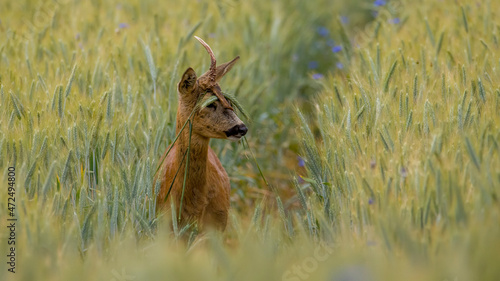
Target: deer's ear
(188, 81)
(225, 67)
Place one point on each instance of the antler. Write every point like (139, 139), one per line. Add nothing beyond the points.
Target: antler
(213, 63)
(212, 76)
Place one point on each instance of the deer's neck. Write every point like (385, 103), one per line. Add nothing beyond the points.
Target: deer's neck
(198, 155)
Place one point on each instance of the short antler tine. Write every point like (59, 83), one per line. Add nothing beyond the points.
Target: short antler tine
(213, 63)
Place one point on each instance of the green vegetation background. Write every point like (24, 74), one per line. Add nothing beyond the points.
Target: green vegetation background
(399, 130)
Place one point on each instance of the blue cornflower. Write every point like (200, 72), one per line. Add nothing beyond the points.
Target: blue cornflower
(404, 172)
(323, 31)
(395, 20)
(123, 25)
(317, 76)
(379, 3)
(301, 180)
(302, 163)
(339, 65)
(312, 65)
(337, 49)
(344, 19)
(371, 201)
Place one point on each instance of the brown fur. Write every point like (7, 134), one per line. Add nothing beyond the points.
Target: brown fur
(207, 189)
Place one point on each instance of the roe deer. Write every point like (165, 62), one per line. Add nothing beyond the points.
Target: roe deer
(206, 194)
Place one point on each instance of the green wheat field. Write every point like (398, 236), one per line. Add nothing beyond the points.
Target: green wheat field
(373, 150)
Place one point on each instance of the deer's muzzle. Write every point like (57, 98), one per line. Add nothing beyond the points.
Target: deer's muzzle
(237, 132)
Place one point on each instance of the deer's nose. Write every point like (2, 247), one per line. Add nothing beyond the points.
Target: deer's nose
(238, 130)
(243, 129)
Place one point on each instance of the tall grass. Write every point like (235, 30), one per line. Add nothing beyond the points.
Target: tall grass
(409, 163)
(401, 143)
(88, 101)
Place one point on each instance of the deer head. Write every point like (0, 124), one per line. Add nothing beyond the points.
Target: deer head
(218, 119)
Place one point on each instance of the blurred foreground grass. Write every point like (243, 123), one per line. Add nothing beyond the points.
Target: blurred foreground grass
(402, 156)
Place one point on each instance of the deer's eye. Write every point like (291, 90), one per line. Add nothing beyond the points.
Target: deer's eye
(212, 105)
